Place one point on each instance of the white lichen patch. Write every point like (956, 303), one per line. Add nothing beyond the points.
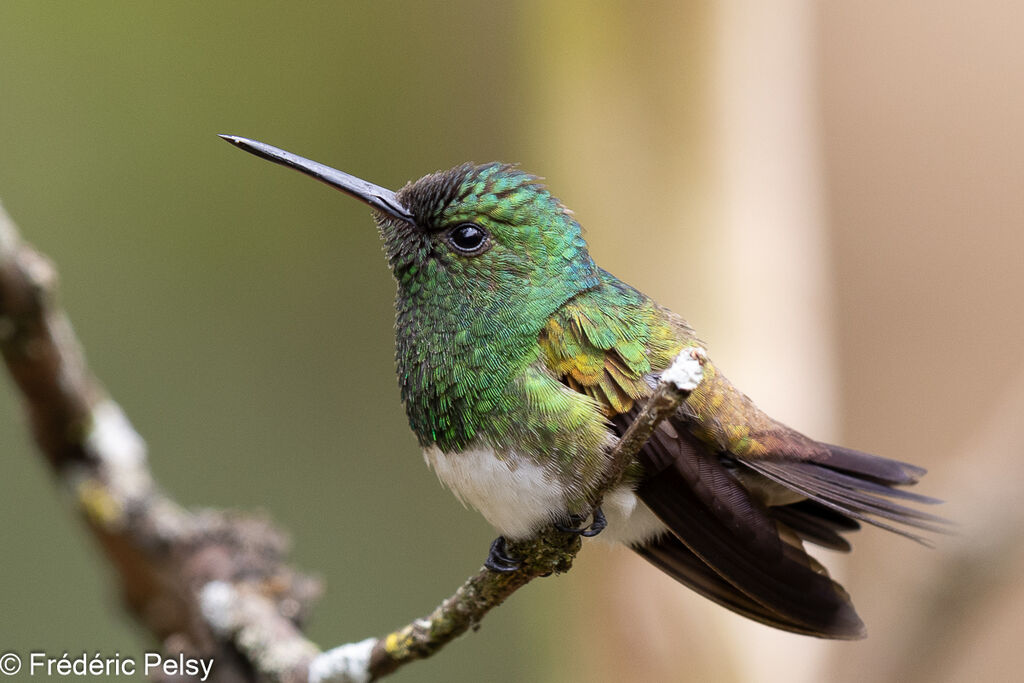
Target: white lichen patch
(122, 477)
(345, 664)
(687, 370)
(112, 437)
(217, 601)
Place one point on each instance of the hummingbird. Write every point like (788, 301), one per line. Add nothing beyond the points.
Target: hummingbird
(521, 363)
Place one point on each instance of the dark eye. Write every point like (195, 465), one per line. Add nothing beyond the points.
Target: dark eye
(468, 238)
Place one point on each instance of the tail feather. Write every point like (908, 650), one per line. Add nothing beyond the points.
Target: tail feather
(859, 486)
(760, 574)
(670, 555)
(868, 466)
(816, 523)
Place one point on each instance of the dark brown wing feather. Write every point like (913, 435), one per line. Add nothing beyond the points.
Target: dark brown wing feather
(856, 485)
(670, 555)
(816, 523)
(721, 524)
(868, 466)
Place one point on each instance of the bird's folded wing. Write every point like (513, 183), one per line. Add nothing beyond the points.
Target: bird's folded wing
(670, 555)
(718, 521)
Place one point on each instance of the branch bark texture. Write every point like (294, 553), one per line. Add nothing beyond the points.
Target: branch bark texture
(163, 554)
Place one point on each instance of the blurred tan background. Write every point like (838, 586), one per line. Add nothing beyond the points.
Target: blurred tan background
(830, 192)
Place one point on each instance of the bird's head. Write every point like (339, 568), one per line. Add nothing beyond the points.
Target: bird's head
(488, 237)
(491, 228)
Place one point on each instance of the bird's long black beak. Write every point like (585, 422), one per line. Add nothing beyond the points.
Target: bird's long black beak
(378, 197)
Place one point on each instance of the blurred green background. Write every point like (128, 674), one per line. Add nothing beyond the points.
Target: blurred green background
(240, 315)
(829, 192)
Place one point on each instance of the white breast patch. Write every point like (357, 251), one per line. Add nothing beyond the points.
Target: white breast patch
(518, 497)
(514, 494)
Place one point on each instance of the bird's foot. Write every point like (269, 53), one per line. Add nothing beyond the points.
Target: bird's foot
(499, 560)
(596, 526)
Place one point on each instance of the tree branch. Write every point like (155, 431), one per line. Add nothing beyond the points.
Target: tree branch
(164, 555)
(215, 584)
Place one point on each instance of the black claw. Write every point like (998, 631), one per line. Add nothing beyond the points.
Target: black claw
(499, 560)
(595, 527)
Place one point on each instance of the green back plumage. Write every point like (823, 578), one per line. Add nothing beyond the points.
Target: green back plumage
(605, 342)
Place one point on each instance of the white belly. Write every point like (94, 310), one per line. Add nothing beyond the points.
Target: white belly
(518, 497)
